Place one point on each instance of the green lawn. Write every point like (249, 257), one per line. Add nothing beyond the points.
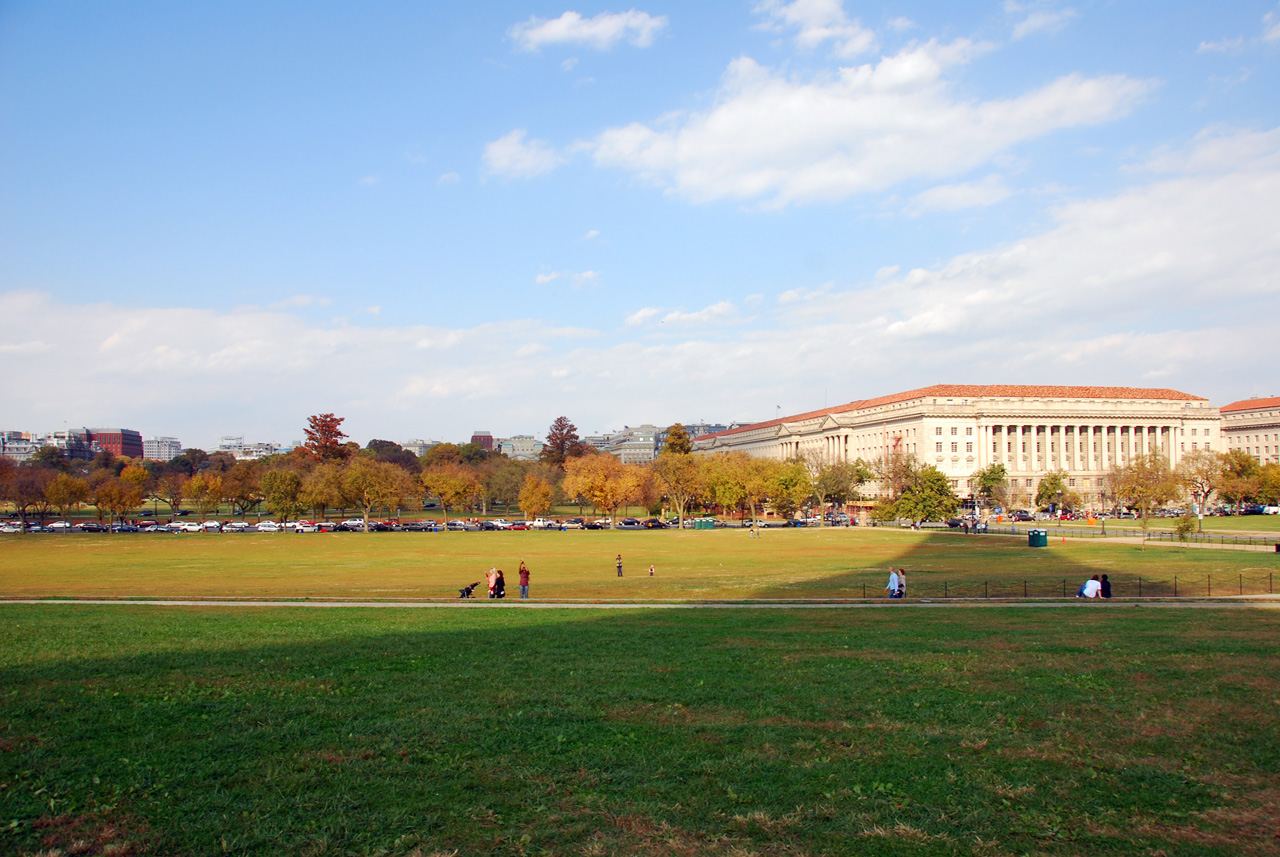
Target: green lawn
(1081, 729)
(805, 563)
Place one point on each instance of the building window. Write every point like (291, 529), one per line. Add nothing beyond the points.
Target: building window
(969, 431)
(938, 430)
(1030, 483)
(1037, 446)
(939, 446)
(968, 447)
(1193, 432)
(953, 447)
(1010, 446)
(1071, 483)
(995, 446)
(954, 431)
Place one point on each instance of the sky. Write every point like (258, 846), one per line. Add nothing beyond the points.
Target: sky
(435, 218)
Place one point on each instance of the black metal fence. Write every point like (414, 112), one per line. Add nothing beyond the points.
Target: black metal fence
(1242, 542)
(1178, 586)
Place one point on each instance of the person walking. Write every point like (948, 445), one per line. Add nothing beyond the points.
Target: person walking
(902, 583)
(524, 580)
(619, 565)
(893, 583)
(500, 586)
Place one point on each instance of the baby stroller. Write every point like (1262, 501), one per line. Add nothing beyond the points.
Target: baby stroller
(465, 592)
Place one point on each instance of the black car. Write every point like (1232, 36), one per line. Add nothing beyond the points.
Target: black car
(91, 527)
(630, 524)
(653, 524)
(489, 525)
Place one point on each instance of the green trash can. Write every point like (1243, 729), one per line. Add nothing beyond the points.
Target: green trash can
(1037, 538)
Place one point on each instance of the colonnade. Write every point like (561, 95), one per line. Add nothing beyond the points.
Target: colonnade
(1041, 447)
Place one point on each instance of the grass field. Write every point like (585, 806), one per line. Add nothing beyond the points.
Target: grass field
(1080, 729)
(820, 563)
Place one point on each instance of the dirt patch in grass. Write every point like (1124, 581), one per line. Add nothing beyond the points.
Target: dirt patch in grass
(637, 834)
(88, 835)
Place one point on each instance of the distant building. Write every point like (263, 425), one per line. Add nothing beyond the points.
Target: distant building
(524, 447)
(161, 448)
(17, 445)
(1253, 425)
(419, 446)
(635, 445)
(695, 430)
(598, 441)
(246, 451)
(117, 441)
(482, 439)
(81, 444)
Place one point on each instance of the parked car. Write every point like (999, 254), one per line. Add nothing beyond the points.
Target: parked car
(573, 524)
(353, 524)
(305, 527)
(630, 524)
(236, 527)
(91, 527)
(123, 528)
(596, 525)
(212, 526)
(267, 527)
(10, 528)
(653, 524)
(186, 527)
(519, 525)
(459, 525)
(544, 524)
(61, 526)
(326, 526)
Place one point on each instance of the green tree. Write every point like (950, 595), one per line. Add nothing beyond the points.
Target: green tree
(838, 482)
(926, 496)
(1241, 479)
(678, 441)
(790, 488)
(726, 483)
(1269, 492)
(205, 491)
(1053, 491)
(50, 457)
(993, 485)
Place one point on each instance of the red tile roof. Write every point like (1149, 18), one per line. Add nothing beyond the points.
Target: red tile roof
(976, 391)
(1251, 404)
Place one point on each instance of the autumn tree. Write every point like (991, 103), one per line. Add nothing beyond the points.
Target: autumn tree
(205, 491)
(725, 479)
(27, 491)
(603, 480)
(376, 484)
(1200, 472)
(65, 491)
(759, 480)
(535, 496)
(454, 484)
(683, 478)
(322, 488)
(678, 441)
(1146, 483)
(242, 485)
(324, 438)
(562, 443)
(171, 487)
(1269, 489)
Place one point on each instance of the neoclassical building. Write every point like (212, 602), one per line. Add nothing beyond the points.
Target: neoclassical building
(963, 428)
(1254, 426)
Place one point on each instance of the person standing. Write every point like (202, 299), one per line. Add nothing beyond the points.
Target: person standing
(492, 580)
(651, 569)
(500, 586)
(619, 565)
(893, 583)
(524, 580)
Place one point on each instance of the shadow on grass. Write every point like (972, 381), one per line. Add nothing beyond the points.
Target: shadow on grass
(192, 731)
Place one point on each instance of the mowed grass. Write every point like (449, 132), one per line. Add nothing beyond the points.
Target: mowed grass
(987, 731)
(805, 563)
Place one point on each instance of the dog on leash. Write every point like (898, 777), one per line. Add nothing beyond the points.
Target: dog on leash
(465, 592)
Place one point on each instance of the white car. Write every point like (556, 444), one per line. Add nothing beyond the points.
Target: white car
(236, 527)
(304, 527)
(60, 525)
(187, 527)
(212, 526)
(268, 527)
(544, 524)
(353, 524)
(10, 528)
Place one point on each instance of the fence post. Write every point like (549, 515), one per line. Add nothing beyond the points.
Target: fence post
(1139, 586)
(1024, 589)
(1175, 586)
(1242, 584)
(984, 589)
(1209, 580)
(945, 590)
(864, 590)
(1064, 587)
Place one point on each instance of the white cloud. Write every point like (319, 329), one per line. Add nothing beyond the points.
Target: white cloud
(543, 279)
(577, 279)
(1224, 46)
(568, 64)
(591, 233)
(780, 140)
(600, 32)
(1270, 36)
(640, 316)
(956, 197)
(369, 180)
(720, 311)
(510, 155)
(1271, 27)
(448, 178)
(901, 25)
(1038, 19)
(817, 22)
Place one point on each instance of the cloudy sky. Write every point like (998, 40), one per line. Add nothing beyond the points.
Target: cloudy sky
(431, 218)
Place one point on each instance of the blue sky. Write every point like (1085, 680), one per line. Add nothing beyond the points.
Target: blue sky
(433, 218)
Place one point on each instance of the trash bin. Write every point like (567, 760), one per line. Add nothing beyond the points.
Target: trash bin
(1037, 538)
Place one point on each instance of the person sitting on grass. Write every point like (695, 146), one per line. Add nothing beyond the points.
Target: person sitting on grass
(1092, 588)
